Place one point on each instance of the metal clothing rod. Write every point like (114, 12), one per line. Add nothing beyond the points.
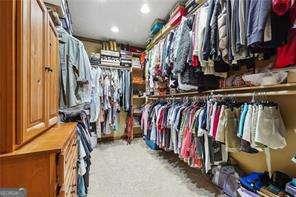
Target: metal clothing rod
(271, 93)
(238, 95)
(113, 67)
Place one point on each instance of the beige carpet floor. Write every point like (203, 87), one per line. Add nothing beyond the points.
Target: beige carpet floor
(120, 170)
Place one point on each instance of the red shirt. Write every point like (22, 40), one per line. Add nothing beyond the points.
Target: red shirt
(286, 54)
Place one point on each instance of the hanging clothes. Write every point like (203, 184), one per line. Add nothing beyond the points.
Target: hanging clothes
(203, 132)
(111, 92)
(230, 33)
(80, 114)
(96, 93)
(75, 71)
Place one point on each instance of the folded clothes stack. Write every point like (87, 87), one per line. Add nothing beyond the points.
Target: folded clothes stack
(156, 26)
(266, 78)
(280, 184)
(95, 58)
(291, 187)
(258, 79)
(176, 14)
(136, 62)
(110, 58)
(126, 58)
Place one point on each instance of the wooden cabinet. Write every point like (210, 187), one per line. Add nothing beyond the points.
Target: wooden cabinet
(7, 75)
(30, 44)
(46, 166)
(67, 169)
(31, 61)
(35, 153)
(53, 74)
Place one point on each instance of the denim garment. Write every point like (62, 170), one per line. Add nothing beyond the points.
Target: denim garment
(182, 45)
(75, 71)
(81, 187)
(174, 131)
(67, 85)
(128, 88)
(203, 120)
(257, 18)
(242, 120)
(96, 94)
(214, 37)
(81, 155)
(234, 25)
(84, 68)
(74, 114)
(207, 33)
(229, 180)
(167, 52)
(85, 139)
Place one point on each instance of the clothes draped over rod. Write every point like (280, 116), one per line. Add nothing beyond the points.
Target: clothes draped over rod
(85, 143)
(111, 93)
(204, 129)
(75, 97)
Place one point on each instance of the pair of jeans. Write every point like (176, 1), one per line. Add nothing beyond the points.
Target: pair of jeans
(81, 191)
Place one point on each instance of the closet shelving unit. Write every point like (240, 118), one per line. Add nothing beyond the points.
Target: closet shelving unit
(113, 66)
(137, 101)
(112, 136)
(284, 93)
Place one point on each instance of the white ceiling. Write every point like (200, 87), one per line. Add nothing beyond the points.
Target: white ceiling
(94, 18)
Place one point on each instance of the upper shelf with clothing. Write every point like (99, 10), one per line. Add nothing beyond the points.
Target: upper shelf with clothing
(221, 38)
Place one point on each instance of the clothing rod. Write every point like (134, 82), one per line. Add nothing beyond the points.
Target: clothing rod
(270, 93)
(238, 95)
(113, 67)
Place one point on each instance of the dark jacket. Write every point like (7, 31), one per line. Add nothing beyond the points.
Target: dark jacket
(206, 48)
(214, 37)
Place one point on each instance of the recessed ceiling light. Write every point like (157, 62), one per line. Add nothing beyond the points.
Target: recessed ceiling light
(145, 8)
(114, 29)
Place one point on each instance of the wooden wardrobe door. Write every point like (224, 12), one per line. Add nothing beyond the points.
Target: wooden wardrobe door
(7, 75)
(53, 75)
(32, 39)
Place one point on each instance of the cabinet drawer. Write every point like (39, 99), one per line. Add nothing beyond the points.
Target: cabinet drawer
(67, 167)
(68, 147)
(72, 186)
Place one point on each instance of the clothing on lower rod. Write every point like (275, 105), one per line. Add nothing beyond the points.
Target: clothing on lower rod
(203, 132)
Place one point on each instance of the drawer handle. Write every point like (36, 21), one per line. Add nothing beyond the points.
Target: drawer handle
(48, 68)
(74, 168)
(74, 144)
(74, 185)
(73, 191)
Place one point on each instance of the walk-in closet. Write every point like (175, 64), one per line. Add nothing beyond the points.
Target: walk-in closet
(148, 98)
